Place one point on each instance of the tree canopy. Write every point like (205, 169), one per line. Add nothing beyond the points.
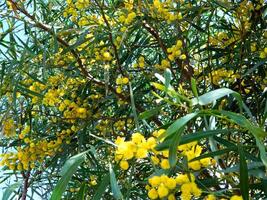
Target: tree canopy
(133, 99)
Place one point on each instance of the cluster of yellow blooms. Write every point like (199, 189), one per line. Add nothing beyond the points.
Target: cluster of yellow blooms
(127, 19)
(175, 51)
(165, 63)
(28, 156)
(263, 53)
(36, 87)
(213, 197)
(34, 151)
(164, 186)
(121, 81)
(73, 8)
(164, 10)
(223, 75)
(60, 60)
(219, 76)
(57, 96)
(140, 63)
(193, 150)
(102, 53)
(8, 128)
(222, 40)
(137, 148)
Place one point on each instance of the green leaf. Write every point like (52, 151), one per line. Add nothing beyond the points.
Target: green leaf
(215, 153)
(209, 97)
(168, 78)
(192, 137)
(202, 134)
(67, 171)
(114, 185)
(194, 87)
(102, 187)
(243, 170)
(245, 123)
(82, 192)
(263, 153)
(178, 124)
(149, 113)
(9, 190)
(133, 106)
(173, 147)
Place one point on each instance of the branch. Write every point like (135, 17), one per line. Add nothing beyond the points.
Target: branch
(184, 72)
(25, 184)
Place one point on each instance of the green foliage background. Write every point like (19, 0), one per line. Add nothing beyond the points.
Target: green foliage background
(77, 75)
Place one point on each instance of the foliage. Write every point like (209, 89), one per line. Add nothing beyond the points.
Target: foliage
(152, 99)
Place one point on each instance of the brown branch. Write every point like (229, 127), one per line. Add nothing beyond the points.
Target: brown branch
(184, 72)
(25, 184)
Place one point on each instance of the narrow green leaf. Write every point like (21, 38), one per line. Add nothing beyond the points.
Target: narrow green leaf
(67, 171)
(178, 124)
(192, 137)
(149, 113)
(215, 153)
(82, 192)
(243, 170)
(209, 97)
(102, 187)
(168, 77)
(245, 123)
(202, 134)
(114, 184)
(133, 107)
(194, 87)
(9, 190)
(263, 153)
(173, 147)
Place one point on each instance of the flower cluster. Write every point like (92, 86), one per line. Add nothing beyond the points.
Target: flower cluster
(175, 51)
(191, 151)
(8, 128)
(121, 81)
(137, 147)
(164, 10)
(164, 186)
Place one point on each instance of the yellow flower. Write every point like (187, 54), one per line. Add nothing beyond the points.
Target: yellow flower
(154, 181)
(9, 128)
(152, 193)
(236, 197)
(183, 57)
(162, 191)
(170, 183)
(210, 197)
(171, 197)
(125, 80)
(141, 153)
(107, 56)
(165, 164)
(195, 165)
(138, 138)
(155, 160)
(195, 190)
(124, 164)
(126, 150)
(183, 178)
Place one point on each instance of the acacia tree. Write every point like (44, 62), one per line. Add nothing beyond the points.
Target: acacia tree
(133, 99)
